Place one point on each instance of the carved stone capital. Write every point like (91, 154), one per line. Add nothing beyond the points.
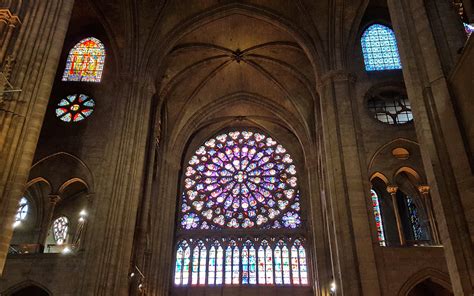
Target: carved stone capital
(8, 18)
(337, 76)
(392, 189)
(54, 198)
(424, 189)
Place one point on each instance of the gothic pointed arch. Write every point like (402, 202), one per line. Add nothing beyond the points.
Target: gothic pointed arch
(240, 192)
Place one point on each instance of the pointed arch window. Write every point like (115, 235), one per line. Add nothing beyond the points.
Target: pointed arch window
(237, 187)
(21, 212)
(85, 61)
(379, 48)
(378, 217)
(60, 230)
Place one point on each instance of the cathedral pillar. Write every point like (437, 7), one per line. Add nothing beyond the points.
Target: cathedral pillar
(36, 49)
(443, 152)
(352, 231)
(425, 194)
(393, 193)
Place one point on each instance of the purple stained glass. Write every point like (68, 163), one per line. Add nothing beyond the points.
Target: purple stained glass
(240, 179)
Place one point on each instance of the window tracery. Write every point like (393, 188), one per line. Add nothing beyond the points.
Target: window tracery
(75, 108)
(85, 61)
(60, 229)
(240, 180)
(21, 212)
(379, 48)
(390, 105)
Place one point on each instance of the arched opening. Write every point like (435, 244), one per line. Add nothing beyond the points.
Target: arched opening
(429, 287)
(31, 290)
(240, 215)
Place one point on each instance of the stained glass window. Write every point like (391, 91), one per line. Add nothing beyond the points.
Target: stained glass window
(414, 219)
(379, 47)
(390, 106)
(21, 212)
(378, 217)
(240, 180)
(241, 262)
(469, 28)
(60, 228)
(85, 61)
(75, 108)
(234, 181)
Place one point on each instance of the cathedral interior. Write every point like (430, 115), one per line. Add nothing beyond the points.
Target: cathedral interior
(222, 147)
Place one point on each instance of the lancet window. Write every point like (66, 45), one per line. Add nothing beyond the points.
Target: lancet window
(85, 61)
(379, 48)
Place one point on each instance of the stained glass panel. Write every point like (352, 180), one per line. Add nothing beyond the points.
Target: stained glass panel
(186, 262)
(240, 180)
(195, 269)
(202, 265)
(219, 266)
(85, 61)
(414, 219)
(75, 108)
(228, 266)
(378, 217)
(179, 266)
(21, 212)
(211, 280)
(379, 47)
(60, 228)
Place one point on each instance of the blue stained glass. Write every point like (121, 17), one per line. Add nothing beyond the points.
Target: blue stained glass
(469, 28)
(379, 47)
(414, 219)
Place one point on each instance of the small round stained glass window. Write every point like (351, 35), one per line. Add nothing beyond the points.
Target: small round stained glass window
(390, 106)
(75, 108)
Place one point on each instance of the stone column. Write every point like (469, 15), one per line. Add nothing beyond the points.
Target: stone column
(347, 188)
(425, 195)
(393, 193)
(48, 218)
(444, 156)
(37, 50)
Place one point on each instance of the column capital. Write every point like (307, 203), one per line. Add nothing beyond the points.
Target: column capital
(424, 189)
(392, 189)
(8, 18)
(54, 198)
(337, 75)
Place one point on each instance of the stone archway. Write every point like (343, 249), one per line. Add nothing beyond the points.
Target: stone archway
(31, 290)
(429, 287)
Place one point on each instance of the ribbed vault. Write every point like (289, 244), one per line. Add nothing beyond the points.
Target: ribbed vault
(238, 68)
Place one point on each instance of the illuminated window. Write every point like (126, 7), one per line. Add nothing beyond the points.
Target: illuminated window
(469, 28)
(85, 61)
(235, 181)
(414, 219)
(379, 48)
(75, 108)
(21, 212)
(389, 105)
(378, 217)
(60, 228)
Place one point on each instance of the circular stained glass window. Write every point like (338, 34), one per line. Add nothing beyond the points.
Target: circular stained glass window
(240, 179)
(75, 108)
(390, 105)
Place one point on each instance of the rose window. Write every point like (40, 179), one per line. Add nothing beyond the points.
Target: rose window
(75, 108)
(240, 180)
